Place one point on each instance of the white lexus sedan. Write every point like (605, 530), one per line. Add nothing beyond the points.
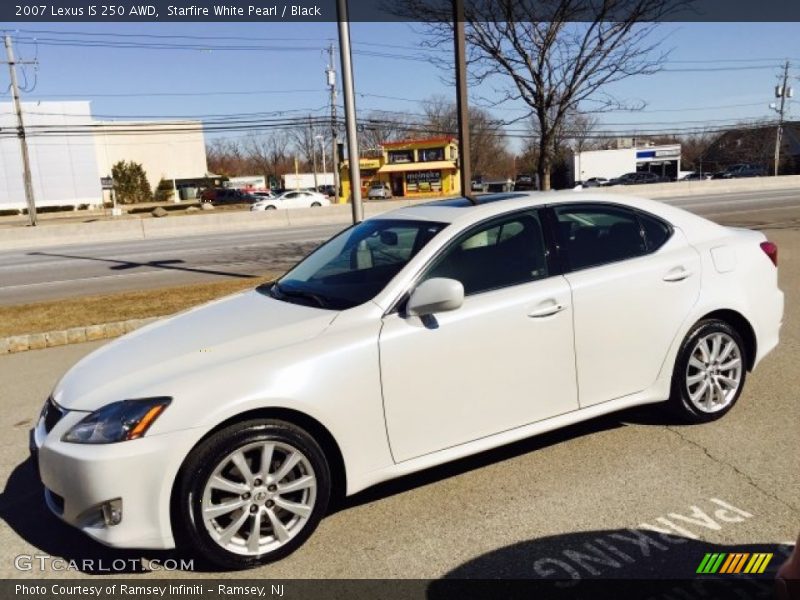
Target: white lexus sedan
(296, 199)
(411, 339)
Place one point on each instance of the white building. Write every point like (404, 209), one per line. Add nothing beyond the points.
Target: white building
(70, 152)
(663, 160)
(166, 150)
(63, 166)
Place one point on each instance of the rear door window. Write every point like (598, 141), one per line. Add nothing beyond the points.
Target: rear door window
(596, 234)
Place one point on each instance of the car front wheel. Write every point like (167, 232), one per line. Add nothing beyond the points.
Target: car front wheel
(710, 372)
(251, 493)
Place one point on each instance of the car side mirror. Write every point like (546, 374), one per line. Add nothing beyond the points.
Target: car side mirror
(434, 296)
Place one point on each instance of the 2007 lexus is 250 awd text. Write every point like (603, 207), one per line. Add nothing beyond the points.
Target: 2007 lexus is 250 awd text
(411, 339)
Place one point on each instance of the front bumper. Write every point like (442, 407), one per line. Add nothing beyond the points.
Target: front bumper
(80, 478)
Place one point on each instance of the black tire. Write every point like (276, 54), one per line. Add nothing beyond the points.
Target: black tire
(190, 530)
(680, 402)
(315, 205)
(269, 207)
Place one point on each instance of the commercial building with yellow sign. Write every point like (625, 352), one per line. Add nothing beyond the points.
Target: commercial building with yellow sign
(410, 168)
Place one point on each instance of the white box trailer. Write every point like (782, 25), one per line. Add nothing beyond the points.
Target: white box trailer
(301, 181)
(246, 182)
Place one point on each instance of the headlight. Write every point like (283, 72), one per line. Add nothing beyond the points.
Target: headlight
(117, 422)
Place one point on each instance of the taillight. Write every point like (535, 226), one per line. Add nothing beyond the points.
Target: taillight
(770, 250)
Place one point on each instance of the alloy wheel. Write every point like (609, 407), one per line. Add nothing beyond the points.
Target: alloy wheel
(259, 497)
(714, 372)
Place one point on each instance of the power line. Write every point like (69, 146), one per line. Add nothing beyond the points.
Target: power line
(197, 117)
(179, 94)
(718, 69)
(211, 37)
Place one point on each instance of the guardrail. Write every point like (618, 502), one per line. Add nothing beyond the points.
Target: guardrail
(711, 186)
(55, 234)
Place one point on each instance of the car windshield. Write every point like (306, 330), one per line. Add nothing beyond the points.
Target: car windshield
(355, 265)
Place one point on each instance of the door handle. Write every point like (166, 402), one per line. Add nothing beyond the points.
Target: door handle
(677, 275)
(547, 311)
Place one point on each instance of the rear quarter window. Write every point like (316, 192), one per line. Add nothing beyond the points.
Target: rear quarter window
(656, 231)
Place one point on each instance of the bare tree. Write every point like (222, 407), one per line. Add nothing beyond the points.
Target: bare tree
(490, 156)
(694, 148)
(379, 127)
(268, 155)
(304, 142)
(554, 55)
(225, 157)
(580, 131)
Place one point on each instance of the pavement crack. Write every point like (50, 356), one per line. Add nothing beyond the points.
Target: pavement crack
(734, 468)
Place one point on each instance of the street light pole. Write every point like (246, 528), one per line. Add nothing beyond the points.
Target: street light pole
(349, 109)
(322, 150)
(462, 100)
(314, 162)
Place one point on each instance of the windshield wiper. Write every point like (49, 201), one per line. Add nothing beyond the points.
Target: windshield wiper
(283, 293)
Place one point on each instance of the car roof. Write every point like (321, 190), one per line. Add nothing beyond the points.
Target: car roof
(463, 212)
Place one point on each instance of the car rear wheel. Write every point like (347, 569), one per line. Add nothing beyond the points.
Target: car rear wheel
(252, 493)
(269, 207)
(315, 204)
(710, 372)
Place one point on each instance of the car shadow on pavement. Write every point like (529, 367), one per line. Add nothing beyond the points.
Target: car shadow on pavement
(649, 415)
(23, 509)
(168, 264)
(478, 461)
(616, 563)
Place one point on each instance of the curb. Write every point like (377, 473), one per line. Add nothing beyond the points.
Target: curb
(74, 335)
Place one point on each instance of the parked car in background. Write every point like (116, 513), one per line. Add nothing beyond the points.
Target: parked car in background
(594, 182)
(297, 199)
(741, 170)
(524, 183)
(219, 196)
(479, 185)
(696, 176)
(637, 178)
(411, 339)
(379, 190)
(261, 194)
(327, 190)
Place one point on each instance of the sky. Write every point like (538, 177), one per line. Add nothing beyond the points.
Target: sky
(738, 68)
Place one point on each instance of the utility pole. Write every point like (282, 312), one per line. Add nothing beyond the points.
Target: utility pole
(350, 109)
(782, 91)
(462, 101)
(330, 73)
(314, 157)
(26, 163)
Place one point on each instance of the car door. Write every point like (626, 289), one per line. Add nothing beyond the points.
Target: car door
(634, 280)
(289, 200)
(504, 359)
(303, 200)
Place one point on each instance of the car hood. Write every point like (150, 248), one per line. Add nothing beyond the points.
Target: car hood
(143, 362)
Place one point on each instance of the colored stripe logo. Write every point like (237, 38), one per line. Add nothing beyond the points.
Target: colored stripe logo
(733, 563)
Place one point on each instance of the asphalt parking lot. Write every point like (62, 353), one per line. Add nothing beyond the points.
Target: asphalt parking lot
(628, 495)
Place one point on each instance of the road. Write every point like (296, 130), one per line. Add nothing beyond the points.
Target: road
(30, 276)
(59, 272)
(526, 510)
